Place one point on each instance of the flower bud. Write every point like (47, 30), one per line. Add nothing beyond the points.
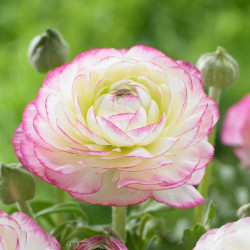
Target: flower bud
(48, 51)
(244, 211)
(218, 69)
(16, 184)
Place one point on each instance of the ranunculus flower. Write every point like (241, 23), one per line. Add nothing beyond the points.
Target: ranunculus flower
(231, 236)
(100, 242)
(116, 127)
(236, 129)
(19, 231)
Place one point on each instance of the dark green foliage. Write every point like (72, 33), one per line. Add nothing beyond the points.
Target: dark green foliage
(191, 236)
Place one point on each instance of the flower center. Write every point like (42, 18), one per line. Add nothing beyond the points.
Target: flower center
(122, 92)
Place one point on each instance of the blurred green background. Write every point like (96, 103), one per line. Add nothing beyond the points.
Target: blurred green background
(182, 29)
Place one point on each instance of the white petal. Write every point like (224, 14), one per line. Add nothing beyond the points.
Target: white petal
(109, 195)
(185, 196)
(113, 134)
(153, 113)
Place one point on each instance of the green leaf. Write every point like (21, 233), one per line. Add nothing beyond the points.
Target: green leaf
(40, 205)
(153, 243)
(191, 236)
(80, 233)
(149, 206)
(132, 241)
(145, 218)
(68, 232)
(64, 208)
(149, 230)
(210, 215)
(62, 231)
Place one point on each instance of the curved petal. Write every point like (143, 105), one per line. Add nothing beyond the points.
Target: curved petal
(90, 135)
(207, 151)
(84, 181)
(16, 139)
(196, 177)
(174, 171)
(138, 120)
(231, 131)
(189, 67)
(38, 238)
(121, 120)
(142, 52)
(145, 135)
(27, 224)
(178, 100)
(48, 135)
(113, 134)
(109, 195)
(58, 160)
(185, 196)
(243, 154)
(28, 126)
(29, 161)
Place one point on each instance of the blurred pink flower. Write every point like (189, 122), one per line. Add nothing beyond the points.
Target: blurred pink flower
(19, 231)
(231, 236)
(116, 127)
(100, 242)
(236, 129)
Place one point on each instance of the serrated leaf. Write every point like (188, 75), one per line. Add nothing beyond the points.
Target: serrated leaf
(191, 236)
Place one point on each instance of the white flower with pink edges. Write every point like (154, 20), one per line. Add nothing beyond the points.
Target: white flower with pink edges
(19, 232)
(231, 236)
(116, 127)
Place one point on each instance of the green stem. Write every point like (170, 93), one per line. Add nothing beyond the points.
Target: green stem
(214, 93)
(119, 221)
(59, 198)
(25, 207)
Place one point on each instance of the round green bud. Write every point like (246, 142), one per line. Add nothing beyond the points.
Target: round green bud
(16, 184)
(48, 51)
(244, 211)
(218, 69)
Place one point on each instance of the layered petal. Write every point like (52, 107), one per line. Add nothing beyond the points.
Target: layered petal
(115, 127)
(234, 235)
(110, 195)
(184, 196)
(19, 231)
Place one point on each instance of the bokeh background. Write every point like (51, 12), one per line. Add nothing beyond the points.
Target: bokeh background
(182, 29)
